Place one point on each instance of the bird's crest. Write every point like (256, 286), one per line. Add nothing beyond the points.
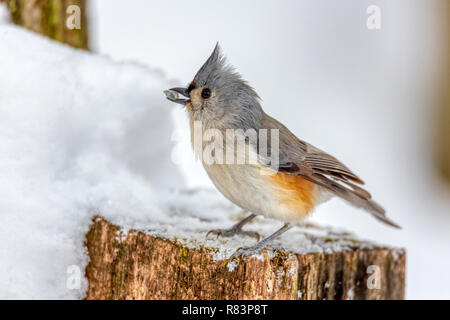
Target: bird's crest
(217, 74)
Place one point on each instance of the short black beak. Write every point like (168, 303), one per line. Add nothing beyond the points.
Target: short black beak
(172, 95)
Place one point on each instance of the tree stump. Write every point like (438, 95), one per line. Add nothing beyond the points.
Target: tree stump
(49, 18)
(136, 265)
(442, 116)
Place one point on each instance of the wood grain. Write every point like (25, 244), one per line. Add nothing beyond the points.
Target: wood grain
(140, 266)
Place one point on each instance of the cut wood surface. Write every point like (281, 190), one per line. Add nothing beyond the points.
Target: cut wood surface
(136, 265)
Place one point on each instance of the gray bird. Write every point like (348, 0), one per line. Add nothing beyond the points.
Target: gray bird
(218, 102)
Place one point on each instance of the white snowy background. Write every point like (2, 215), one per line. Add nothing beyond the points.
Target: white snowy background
(85, 133)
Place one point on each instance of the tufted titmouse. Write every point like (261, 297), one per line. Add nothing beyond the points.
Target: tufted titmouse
(304, 176)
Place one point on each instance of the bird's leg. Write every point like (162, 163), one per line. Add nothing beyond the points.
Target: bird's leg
(248, 251)
(236, 229)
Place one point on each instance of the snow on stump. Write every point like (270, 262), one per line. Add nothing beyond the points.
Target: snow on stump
(137, 265)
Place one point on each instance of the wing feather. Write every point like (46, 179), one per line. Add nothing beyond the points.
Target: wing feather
(300, 158)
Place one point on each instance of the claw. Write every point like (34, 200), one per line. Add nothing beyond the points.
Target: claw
(236, 254)
(231, 232)
(247, 251)
(252, 234)
(217, 232)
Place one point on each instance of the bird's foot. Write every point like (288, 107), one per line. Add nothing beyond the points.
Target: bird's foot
(233, 231)
(248, 251)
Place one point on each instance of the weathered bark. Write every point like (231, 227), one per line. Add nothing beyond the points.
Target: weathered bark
(140, 266)
(48, 17)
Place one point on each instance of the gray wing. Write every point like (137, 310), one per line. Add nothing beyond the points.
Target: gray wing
(302, 159)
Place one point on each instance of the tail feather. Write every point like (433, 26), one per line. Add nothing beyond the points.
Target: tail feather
(368, 205)
(356, 198)
(378, 212)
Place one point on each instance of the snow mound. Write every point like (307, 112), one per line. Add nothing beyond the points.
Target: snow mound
(80, 135)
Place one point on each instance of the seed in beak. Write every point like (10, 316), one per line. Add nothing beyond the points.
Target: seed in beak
(173, 95)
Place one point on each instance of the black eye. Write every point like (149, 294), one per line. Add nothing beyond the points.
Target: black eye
(206, 93)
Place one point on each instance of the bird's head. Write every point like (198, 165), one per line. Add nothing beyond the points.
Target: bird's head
(219, 94)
